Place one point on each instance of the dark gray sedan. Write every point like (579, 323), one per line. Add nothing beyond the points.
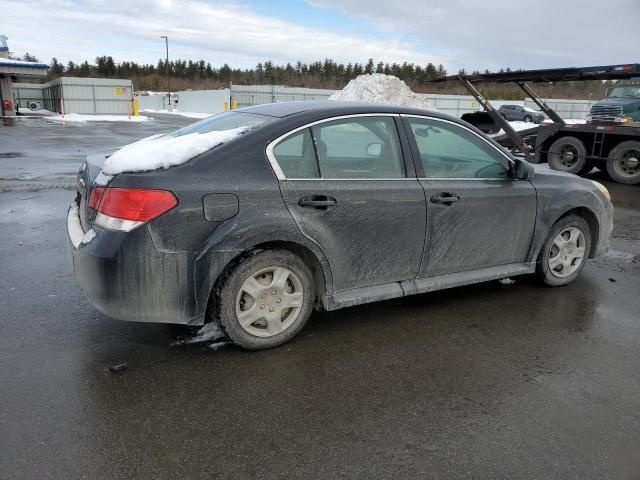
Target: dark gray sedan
(520, 114)
(254, 218)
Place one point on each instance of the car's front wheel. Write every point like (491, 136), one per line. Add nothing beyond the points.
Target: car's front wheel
(565, 251)
(265, 300)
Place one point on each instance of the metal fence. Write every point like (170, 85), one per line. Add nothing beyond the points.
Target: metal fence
(454, 105)
(26, 93)
(247, 95)
(99, 95)
(80, 95)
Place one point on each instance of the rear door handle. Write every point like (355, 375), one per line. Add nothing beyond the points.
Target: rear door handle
(445, 198)
(317, 201)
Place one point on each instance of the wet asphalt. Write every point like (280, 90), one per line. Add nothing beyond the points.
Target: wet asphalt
(487, 381)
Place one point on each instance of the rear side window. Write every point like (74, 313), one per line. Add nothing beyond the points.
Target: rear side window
(296, 156)
(359, 147)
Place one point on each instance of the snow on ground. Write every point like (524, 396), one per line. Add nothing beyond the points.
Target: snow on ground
(568, 121)
(175, 112)
(381, 88)
(83, 118)
(208, 333)
(165, 151)
(517, 126)
(28, 111)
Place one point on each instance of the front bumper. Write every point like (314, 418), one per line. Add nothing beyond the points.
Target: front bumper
(125, 277)
(605, 221)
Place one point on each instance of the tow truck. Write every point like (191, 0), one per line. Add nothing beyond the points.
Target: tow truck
(609, 140)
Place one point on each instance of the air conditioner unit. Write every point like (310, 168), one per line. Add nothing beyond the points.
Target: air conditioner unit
(34, 105)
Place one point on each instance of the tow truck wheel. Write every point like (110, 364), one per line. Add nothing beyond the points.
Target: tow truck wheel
(623, 163)
(567, 154)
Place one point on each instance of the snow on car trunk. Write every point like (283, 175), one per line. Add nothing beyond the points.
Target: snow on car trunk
(164, 151)
(381, 88)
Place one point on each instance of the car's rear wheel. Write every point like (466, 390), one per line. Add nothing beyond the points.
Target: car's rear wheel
(623, 163)
(565, 251)
(528, 119)
(265, 300)
(567, 154)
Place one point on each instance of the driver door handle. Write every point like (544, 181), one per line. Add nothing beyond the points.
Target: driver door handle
(445, 198)
(317, 201)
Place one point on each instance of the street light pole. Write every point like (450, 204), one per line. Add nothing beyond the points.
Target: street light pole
(166, 42)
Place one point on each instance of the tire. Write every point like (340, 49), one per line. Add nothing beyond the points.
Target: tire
(527, 119)
(279, 311)
(567, 154)
(623, 163)
(557, 265)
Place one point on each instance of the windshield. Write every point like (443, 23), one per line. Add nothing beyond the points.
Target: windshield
(224, 121)
(630, 91)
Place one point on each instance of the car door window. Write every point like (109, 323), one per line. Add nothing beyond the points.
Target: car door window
(296, 157)
(360, 147)
(450, 151)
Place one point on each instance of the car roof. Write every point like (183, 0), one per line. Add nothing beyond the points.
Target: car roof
(332, 108)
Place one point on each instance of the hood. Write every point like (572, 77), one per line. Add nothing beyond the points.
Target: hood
(624, 101)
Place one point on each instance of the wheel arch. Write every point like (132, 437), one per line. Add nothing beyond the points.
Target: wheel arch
(321, 276)
(592, 220)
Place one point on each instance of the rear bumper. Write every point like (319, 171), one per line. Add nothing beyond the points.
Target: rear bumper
(125, 277)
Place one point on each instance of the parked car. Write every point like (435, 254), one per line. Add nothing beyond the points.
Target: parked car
(522, 114)
(319, 205)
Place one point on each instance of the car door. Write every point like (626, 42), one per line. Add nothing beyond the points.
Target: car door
(478, 215)
(506, 112)
(346, 183)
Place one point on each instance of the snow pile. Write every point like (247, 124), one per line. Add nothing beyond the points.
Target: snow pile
(165, 151)
(82, 118)
(76, 233)
(381, 88)
(28, 111)
(208, 333)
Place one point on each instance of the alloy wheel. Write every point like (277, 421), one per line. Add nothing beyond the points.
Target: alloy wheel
(567, 253)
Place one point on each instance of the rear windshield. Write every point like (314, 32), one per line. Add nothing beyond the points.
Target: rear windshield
(224, 121)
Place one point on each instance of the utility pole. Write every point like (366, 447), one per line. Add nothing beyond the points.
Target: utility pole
(166, 43)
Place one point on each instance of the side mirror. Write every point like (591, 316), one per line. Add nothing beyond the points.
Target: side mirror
(374, 149)
(523, 170)
(422, 132)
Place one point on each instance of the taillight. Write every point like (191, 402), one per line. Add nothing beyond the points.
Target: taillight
(124, 209)
(95, 196)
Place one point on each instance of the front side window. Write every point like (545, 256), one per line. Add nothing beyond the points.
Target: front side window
(359, 147)
(450, 151)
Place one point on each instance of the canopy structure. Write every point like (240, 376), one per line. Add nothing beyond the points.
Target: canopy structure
(12, 70)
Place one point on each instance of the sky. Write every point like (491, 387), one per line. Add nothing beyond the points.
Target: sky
(470, 34)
